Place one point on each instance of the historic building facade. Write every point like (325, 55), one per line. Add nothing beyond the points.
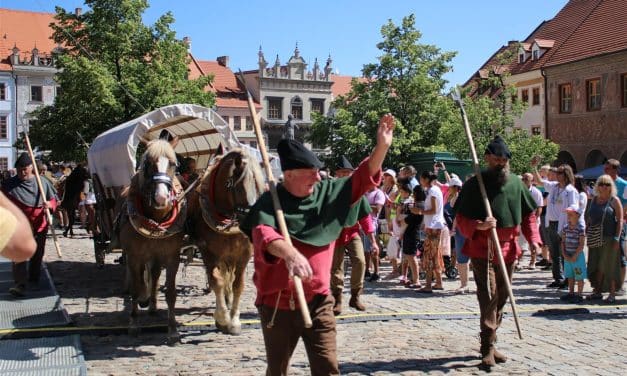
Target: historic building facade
(290, 89)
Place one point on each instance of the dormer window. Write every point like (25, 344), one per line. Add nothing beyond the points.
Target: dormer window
(521, 58)
(536, 54)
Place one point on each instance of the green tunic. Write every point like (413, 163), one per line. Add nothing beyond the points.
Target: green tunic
(510, 203)
(317, 219)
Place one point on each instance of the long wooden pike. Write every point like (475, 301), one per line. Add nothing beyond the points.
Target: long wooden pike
(298, 284)
(42, 192)
(486, 203)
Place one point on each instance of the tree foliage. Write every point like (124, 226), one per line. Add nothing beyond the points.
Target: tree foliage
(408, 82)
(113, 68)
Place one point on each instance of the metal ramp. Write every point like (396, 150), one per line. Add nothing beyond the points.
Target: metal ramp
(40, 308)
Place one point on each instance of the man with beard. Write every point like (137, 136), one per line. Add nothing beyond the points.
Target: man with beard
(513, 210)
(22, 190)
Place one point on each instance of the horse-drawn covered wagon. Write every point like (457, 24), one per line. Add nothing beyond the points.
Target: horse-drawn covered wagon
(145, 207)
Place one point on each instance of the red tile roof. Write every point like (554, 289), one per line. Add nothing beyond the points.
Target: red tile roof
(25, 30)
(603, 31)
(342, 84)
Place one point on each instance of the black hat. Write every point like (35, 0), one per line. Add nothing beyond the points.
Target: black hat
(344, 164)
(499, 148)
(23, 160)
(295, 155)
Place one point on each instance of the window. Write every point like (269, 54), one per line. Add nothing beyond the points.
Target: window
(593, 94)
(226, 119)
(275, 108)
(317, 105)
(4, 128)
(524, 93)
(624, 85)
(58, 91)
(566, 98)
(3, 91)
(521, 58)
(297, 108)
(249, 123)
(535, 131)
(237, 123)
(536, 54)
(36, 94)
(535, 96)
(4, 164)
(253, 144)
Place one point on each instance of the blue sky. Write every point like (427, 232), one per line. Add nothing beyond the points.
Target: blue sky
(347, 30)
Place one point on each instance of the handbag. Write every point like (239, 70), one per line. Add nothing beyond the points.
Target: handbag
(594, 233)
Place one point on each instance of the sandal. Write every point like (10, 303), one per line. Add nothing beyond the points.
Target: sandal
(413, 285)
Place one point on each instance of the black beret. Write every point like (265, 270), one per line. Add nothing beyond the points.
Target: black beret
(23, 160)
(499, 148)
(295, 155)
(344, 164)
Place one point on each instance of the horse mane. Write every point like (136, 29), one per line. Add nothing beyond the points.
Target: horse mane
(159, 148)
(252, 163)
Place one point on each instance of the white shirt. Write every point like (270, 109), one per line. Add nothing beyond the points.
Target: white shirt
(536, 195)
(435, 221)
(559, 199)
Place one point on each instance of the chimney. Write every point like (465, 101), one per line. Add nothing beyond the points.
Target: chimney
(223, 60)
(78, 12)
(188, 42)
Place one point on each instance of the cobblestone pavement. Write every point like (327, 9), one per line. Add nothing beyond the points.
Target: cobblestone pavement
(438, 334)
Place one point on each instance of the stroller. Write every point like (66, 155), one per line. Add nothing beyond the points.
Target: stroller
(450, 270)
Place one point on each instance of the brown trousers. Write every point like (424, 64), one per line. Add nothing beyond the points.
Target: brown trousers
(355, 249)
(319, 340)
(29, 271)
(490, 306)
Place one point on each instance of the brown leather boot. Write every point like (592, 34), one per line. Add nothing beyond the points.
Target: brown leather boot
(354, 302)
(337, 307)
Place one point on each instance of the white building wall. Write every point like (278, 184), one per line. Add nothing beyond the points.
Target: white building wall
(7, 109)
(534, 115)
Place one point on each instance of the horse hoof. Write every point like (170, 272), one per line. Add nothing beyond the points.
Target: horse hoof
(133, 331)
(222, 328)
(235, 330)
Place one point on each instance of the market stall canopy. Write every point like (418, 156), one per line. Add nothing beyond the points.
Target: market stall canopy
(200, 130)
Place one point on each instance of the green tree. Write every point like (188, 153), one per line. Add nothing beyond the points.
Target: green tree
(408, 82)
(491, 110)
(113, 68)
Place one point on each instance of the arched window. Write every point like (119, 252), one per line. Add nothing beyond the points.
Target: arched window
(297, 108)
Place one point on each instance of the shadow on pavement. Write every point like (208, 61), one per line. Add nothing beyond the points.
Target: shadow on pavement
(454, 363)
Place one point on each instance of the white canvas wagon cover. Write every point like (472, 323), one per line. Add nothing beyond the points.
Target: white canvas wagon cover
(200, 131)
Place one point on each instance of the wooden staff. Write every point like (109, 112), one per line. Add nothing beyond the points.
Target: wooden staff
(488, 209)
(42, 192)
(298, 284)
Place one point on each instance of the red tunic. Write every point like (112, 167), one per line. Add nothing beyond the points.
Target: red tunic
(349, 233)
(35, 215)
(271, 275)
(476, 244)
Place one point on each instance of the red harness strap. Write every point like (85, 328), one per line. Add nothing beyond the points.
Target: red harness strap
(153, 224)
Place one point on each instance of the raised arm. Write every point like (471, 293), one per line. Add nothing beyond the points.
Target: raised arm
(384, 141)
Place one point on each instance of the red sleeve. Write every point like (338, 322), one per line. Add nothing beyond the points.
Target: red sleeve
(529, 228)
(53, 204)
(466, 226)
(362, 181)
(367, 224)
(262, 236)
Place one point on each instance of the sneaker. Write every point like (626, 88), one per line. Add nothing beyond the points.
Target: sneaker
(554, 284)
(17, 291)
(374, 277)
(564, 285)
(367, 274)
(548, 266)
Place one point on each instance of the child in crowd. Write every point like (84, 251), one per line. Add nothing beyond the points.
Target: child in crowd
(573, 239)
(400, 226)
(411, 236)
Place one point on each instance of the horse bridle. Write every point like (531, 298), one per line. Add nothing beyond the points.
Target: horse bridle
(157, 178)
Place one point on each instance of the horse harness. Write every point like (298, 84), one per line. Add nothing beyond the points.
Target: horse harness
(223, 223)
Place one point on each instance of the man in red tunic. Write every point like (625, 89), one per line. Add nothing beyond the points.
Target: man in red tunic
(513, 211)
(315, 213)
(22, 190)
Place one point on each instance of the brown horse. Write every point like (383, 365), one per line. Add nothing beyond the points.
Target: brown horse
(152, 236)
(228, 188)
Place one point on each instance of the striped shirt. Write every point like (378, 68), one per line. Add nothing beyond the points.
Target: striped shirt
(570, 236)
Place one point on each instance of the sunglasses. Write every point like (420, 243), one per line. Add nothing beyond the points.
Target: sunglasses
(604, 184)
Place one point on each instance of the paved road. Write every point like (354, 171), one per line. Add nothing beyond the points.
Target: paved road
(434, 334)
